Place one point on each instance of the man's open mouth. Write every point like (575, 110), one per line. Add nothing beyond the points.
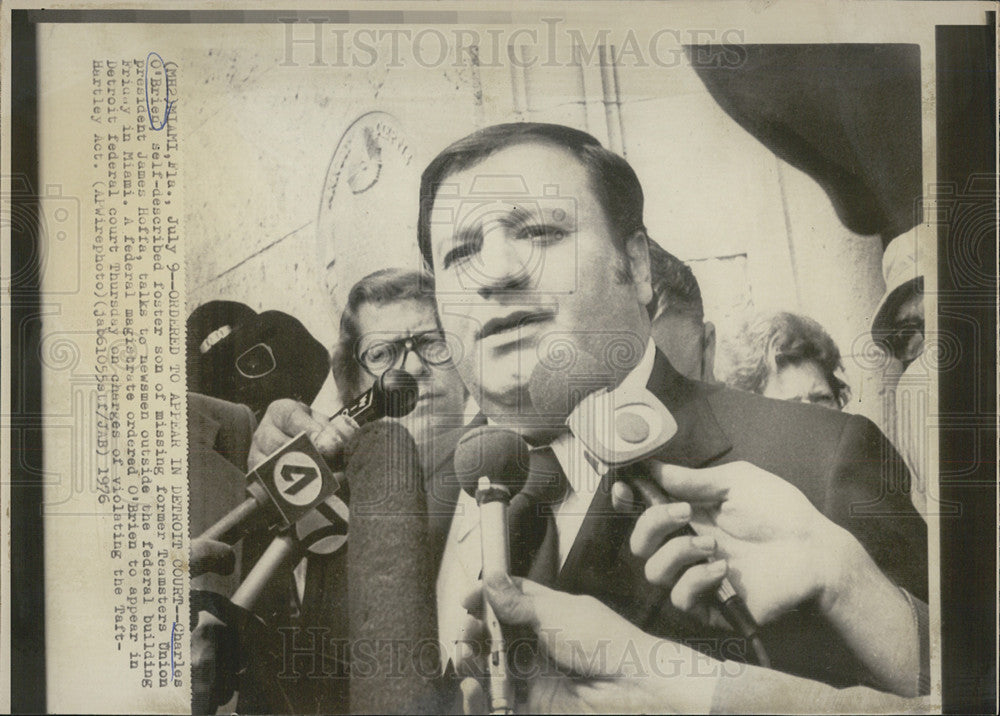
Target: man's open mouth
(512, 322)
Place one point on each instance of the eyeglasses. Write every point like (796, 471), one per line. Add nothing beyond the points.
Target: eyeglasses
(430, 346)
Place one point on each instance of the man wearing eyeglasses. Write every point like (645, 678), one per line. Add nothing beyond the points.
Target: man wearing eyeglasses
(389, 322)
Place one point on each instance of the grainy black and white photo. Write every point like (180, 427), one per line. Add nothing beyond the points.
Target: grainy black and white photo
(558, 357)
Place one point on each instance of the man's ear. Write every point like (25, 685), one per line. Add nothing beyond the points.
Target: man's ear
(708, 352)
(637, 248)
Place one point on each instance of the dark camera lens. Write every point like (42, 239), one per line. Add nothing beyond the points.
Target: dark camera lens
(256, 362)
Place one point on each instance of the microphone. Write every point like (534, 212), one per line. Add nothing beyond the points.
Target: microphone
(557, 384)
(394, 395)
(392, 623)
(492, 465)
(622, 426)
(322, 530)
(295, 478)
(617, 425)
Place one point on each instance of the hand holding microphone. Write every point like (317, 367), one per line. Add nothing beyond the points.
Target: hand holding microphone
(297, 474)
(732, 541)
(622, 424)
(775, 546)
(780, 552)
(593, 657)
(394, 395)
(291, 489)
(492, 465)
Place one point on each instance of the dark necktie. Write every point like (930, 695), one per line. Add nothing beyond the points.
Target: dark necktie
(534, 542)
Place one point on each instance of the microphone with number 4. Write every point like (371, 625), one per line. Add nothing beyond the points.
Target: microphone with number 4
(295, 479)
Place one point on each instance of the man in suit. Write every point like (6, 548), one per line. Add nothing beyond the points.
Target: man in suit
(535, 237)
(536, 240)
(388, 322)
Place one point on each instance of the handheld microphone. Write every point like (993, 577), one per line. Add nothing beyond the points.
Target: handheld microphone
(296, 478)
(322, 530)
(392, 622)
(559, 387)
(394, 395)
(622, 426)
(492, 466)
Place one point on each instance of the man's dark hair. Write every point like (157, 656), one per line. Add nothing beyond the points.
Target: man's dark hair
(379, 288)
(769, 343)
(612, 179)
(675, 289)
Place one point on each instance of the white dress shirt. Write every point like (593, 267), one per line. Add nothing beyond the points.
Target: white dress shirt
(462, 562)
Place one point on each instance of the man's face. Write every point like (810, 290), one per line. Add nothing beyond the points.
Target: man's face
(441, 391)
(907, 336)
(527, 272)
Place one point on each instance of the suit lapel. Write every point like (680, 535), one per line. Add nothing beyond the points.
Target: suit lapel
(600, 562)
(699, 439)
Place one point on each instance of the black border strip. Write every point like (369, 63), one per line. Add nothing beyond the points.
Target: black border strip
(27, 548)
(967, 285)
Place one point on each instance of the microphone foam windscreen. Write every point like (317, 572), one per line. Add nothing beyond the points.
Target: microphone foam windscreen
(555, 387)
(398, 392)
(494, 452)
(395, 657)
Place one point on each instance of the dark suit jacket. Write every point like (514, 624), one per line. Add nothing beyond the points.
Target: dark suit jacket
(841, 462)
(219, 435)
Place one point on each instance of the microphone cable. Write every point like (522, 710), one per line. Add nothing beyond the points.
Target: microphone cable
(731, 604)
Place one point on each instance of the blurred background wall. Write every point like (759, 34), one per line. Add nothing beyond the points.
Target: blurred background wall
(264, 123)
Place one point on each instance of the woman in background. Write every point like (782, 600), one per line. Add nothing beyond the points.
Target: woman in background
(789, 357)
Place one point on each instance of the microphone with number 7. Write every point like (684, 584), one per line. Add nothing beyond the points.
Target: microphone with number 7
(296, 478)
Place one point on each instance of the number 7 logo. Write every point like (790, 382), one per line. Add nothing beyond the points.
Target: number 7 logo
(299, 482)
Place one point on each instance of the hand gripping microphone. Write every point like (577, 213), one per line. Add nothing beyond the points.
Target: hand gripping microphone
(296, 478)
(492, 465)
(620, 426)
